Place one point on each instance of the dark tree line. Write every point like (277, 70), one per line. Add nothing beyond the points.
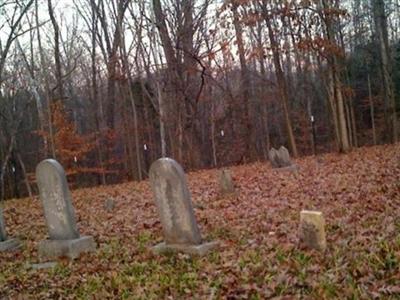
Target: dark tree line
(106, 87)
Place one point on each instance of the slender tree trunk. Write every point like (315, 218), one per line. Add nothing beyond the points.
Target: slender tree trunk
(57, 55)
(348, 121)
(353, 123)
(372, 111)
(282, 84)
(264, 104)
(95, 96)
(343, 135)
(162, 122)
(46, 84)
(341, 114)
(28, 186)
(385, 57)
(333, 107)
(245, 84)
(127, 72)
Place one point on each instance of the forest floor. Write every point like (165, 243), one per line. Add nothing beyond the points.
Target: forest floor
(260, 256)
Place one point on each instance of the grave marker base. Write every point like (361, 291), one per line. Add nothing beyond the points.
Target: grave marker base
(9, 245)
(50, 249)
(197, 250)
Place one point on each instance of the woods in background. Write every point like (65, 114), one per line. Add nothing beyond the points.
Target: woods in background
(108, 86)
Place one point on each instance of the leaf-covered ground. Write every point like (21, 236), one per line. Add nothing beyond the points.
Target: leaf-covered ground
(259, 257)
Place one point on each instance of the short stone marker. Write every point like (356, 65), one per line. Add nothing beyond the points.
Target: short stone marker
(174, 205)
(109, 204)
(280, 159)
(6, 244)
(312, 230)
(226, 182)
(55, 196)
(273, 158)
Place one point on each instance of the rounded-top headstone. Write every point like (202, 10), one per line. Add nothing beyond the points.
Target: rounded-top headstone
(273, 157)
(56, 200)
(174, 204)
(284, 157)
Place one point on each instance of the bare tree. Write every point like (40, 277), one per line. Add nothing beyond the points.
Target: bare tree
(282, 83)
(20, 9)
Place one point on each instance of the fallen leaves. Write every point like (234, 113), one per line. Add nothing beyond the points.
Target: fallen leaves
(358, 193)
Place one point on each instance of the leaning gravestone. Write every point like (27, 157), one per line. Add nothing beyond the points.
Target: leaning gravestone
(174, 205)
(226, 183)
(6, 243)
(59, 213)
(312, 230)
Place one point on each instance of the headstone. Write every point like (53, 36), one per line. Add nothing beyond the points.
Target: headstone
(284, 157)
(280, 159)
(174, 205)
(6, 243)
(273, 158)
(312, 230)
(59, 213)
(226, 182)
(109, 204)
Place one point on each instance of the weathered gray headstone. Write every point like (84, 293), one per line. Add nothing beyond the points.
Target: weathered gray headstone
(174, 205)
(226, 182)
(284, 157)
(273, 158)
(59, 213)
(280, 159)
(312, 230)
(109, 204)
(5, 242)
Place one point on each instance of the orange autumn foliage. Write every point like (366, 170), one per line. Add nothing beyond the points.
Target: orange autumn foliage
(71, 148)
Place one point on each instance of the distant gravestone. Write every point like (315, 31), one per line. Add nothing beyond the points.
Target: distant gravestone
(109, 204)
(226, 182)
(312, 230)
(281, 159)
(174, 205)
(5, 242)
(59, 213)
(284, 157)
(273, 158)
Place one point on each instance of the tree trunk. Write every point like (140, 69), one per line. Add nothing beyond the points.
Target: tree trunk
(282, 84)
(46, 85)
(28, 186)
(342, 132)
(386, 69)
(57, 55)
(245, 85)
(372, 111)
